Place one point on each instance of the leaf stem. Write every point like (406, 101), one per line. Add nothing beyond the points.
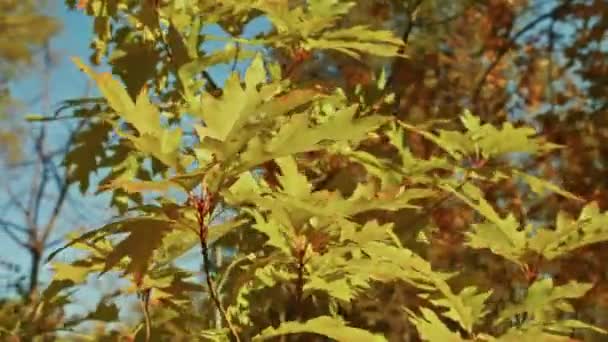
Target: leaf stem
(203, 208)
(144, 300)
(300, 285)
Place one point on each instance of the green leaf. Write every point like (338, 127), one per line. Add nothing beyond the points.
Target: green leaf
(569, 234)
(279, 233)
(111, 89)
(485, 141)
(467, 308)
(296, 135)
(354, 41)
(217, 231)
(501, 236)
(543, 299)
(240, 115)
(76, 272)
(291, 180)
(331, 327)
(224, 117)
(431, 328)
(145, 236)
(540, 186)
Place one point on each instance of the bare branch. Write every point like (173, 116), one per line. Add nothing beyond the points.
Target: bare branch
(63, 185)
(390, 82)
(35, 207)
(13, 225)
(7, 228)
(17, 202)
(26, 163)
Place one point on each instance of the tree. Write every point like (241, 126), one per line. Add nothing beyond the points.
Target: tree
(35, 193)
(25, 31)
(360, 197)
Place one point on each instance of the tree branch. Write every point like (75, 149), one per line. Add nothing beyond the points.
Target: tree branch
(35, 206)
(507, 47)
(6, 227)
(390, 82)
(63, 188)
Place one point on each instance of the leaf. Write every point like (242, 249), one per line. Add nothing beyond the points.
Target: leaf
(542, 298)
(185, 182)
(359, 39)
(501, 236)
(217, 231)
(291, 180)
(83, 159)
(331, 327)
(371, 231)
(104, 312)
(540, 186)
(240, 115)
(153, 139)
(188, 71)
(135, 62)
(111, 89)
(569, 234)
(76, 272)
(467, 308)
(222, 118)
(139, 186)
(431, 328)
(339, 288)
(279, 233)
(145, 236)
(341, 126)
(485, 141)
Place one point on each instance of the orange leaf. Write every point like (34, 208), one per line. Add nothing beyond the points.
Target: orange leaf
(82, 4)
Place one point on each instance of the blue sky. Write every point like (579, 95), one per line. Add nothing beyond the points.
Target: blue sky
(66, 82)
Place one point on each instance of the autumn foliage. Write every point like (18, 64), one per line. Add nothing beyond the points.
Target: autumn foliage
(368, 171)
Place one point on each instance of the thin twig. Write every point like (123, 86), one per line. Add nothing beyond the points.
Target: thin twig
(390, 82)
(35, 209)
(411, 13)
(13, 226)
(48, 156)
(13, 236)
(63, 189)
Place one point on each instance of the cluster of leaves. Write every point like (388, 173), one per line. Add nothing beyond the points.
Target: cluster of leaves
(327, 206)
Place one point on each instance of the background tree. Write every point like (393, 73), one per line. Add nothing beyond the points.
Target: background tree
(25, 33)
(37, 204)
